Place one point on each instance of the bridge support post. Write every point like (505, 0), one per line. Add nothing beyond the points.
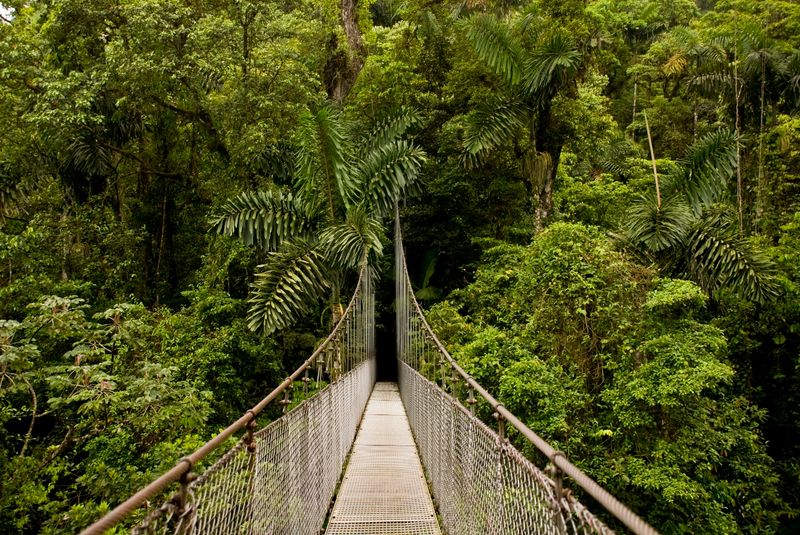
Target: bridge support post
(306, 380)
(181, 498)
(286, 401)
(501, 425)
(557, 475)
(471, 401)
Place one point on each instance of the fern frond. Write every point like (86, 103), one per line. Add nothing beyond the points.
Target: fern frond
(286, 287)
(265, 218)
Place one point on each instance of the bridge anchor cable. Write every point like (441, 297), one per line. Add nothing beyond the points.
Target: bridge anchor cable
(280, 478)
(482, 483)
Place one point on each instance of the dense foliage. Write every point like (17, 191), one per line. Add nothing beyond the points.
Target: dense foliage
(602, 208)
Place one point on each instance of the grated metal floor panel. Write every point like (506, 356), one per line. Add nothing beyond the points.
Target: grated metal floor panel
(384, 489)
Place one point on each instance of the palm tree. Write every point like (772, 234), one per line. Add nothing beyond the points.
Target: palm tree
(520, 116)
(688, 230)
(330, 222)
(741, 65)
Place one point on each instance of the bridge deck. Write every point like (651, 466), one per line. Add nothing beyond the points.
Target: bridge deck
(384, 489)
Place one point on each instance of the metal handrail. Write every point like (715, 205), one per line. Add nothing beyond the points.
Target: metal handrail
(630, 519)
(185, 465)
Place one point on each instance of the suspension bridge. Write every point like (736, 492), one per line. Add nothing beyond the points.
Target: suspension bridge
(356, 457)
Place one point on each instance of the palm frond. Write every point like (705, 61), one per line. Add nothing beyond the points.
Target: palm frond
(491, 125)
(708, 165)
(496, 45)
(791, 76)
(685, 39)
(428, 24)
(323, 158)
(676, 64)
(658, 228)
(265, 218)
(389, 129)
(286, 287)
(717, 258)
(348, 244)
(554, 61)
(13, 188)
(388, 172)
(614, 157)
(711, 82)
(88, 156)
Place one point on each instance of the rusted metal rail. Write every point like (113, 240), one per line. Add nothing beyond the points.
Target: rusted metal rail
(416, 331)
(182, 471)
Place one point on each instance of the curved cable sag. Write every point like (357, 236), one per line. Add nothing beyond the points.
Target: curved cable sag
(282, 477)
(481, 483)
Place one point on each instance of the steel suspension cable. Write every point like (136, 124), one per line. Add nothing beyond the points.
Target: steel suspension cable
(456, 447)
(282, 477)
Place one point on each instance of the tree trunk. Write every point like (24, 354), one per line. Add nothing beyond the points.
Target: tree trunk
(342, 70)
(737, 95)
(546, 192)
(739, 178)
(161, 244)
(761, 189)
(550, 144)
(633, 115)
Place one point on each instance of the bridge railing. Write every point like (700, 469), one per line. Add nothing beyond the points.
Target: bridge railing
(480, 482)
(280, 478)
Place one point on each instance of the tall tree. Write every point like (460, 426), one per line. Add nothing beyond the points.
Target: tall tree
(520, 114)
(330, 222)
(686, 228)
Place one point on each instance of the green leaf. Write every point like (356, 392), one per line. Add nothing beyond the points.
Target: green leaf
(286, 286)
(324, 159)
(708, 165)
(717, 258)
(492, 125)
(265, 218)
(388, 172)
(658, 228)
(497, 46)
(551, 64)
(390, 129)
(349, 244)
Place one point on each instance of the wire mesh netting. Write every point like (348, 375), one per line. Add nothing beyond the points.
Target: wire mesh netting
(280, 479)
(480, 483)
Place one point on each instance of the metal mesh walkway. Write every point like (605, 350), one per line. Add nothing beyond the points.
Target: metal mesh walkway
(384, 489)
(279, 479)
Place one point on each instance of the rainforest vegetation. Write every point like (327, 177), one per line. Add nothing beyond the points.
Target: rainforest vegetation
(600, 202)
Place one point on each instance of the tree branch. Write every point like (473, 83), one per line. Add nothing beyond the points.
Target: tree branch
(60, 449)
(140, 160)
(33, 415)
